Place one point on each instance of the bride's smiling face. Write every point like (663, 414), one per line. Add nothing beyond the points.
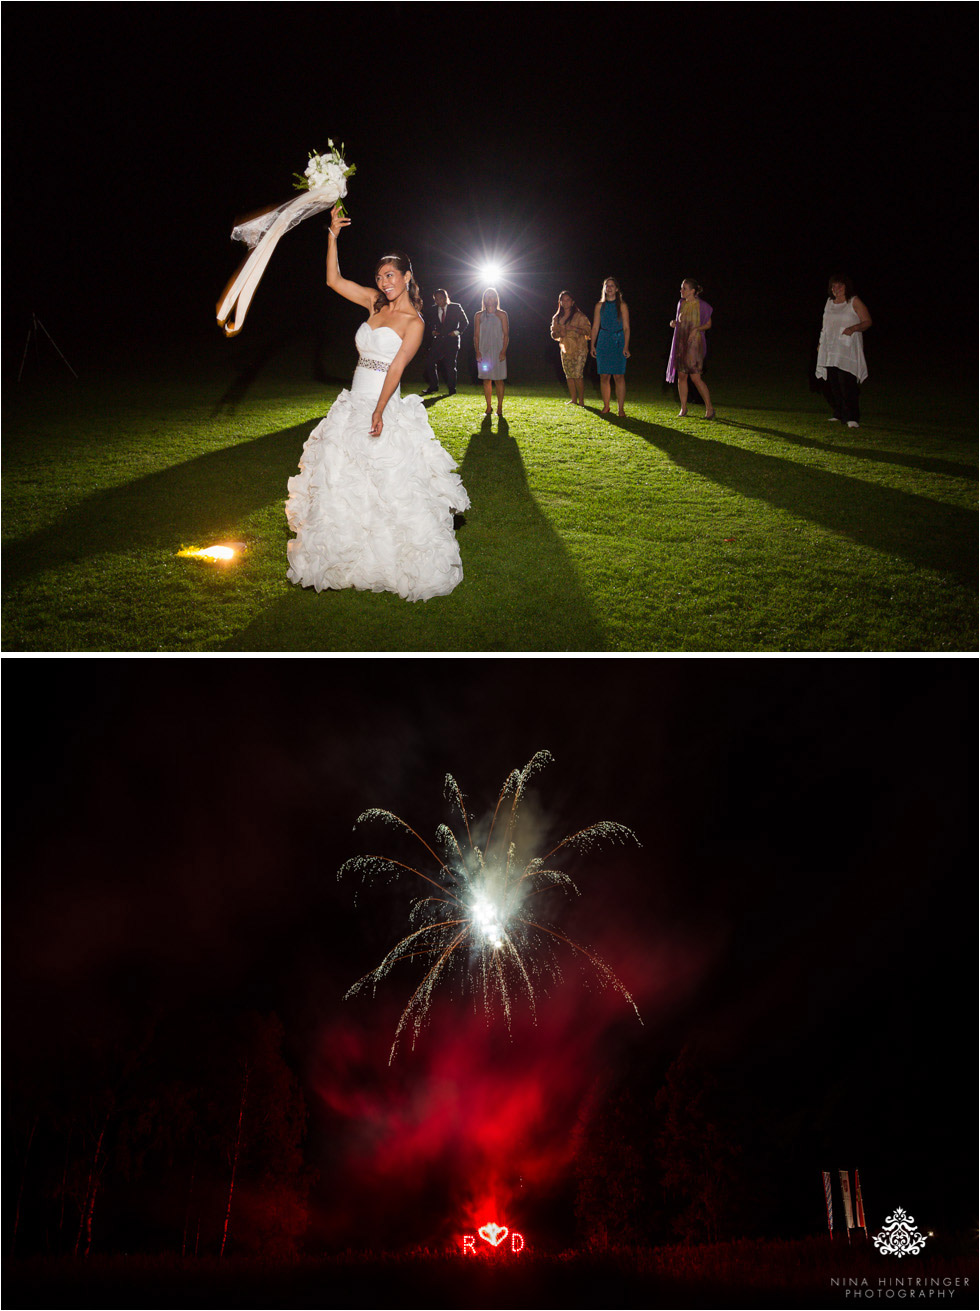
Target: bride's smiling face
(391, 282)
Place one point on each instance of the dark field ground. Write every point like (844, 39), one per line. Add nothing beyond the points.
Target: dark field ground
(809, 1273)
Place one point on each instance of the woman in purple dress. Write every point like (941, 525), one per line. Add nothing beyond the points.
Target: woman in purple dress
(689, 347)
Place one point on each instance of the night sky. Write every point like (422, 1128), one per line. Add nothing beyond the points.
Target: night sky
(751, 147)
(801, 911)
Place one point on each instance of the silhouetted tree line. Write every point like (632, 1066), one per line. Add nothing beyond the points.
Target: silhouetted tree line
(184, 1138)
(687, 1154)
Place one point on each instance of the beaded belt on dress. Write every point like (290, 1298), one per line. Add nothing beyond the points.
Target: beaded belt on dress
(381, 366)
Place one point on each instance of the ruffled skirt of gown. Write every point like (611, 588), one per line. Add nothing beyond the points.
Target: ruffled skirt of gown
(375, 513)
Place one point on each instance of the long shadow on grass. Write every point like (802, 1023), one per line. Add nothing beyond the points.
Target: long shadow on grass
(519, 591)
(525, 571)
(202, 498)
(927, 533)
(249, 371)
(949, 467)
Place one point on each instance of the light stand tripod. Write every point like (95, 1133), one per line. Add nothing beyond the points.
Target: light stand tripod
(32, 333)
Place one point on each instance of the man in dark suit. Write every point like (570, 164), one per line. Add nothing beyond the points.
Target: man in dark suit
(443, 327)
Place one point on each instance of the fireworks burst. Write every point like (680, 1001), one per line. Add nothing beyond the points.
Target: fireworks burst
(477, 918)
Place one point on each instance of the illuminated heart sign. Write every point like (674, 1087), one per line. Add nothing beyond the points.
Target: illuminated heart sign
(494, 1233)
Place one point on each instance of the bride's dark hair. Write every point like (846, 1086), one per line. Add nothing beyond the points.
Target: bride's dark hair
(404, 265)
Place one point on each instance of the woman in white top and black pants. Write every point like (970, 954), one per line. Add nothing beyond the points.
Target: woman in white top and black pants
(840, 355)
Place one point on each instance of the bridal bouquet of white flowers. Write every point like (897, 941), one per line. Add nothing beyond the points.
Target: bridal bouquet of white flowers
(324, 182)
(327, 173)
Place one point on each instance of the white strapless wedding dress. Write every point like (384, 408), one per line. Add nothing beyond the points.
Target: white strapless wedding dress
(375, 513)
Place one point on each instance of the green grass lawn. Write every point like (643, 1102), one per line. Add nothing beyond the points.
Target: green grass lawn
(770, 530)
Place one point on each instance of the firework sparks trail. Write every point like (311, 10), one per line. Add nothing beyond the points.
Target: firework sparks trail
(475, 921)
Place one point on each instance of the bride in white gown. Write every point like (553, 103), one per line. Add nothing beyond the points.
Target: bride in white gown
(372, 506)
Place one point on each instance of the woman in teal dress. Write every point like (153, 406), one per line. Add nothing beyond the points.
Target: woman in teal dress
(611, 343)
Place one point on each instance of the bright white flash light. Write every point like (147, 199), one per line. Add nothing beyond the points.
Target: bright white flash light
(487, 921)
(492, 273)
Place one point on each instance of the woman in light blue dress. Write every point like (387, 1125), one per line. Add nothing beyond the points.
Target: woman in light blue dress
(491, 333)
(611, 343)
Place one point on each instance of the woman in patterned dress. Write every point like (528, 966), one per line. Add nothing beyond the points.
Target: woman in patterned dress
(570, 329)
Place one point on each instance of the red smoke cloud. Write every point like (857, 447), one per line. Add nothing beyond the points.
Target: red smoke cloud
(476, 1124)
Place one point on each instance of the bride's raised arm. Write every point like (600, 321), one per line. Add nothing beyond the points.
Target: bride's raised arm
(349, 290)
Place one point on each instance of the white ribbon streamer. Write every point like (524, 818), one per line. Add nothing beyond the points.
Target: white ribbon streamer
(262, 234)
